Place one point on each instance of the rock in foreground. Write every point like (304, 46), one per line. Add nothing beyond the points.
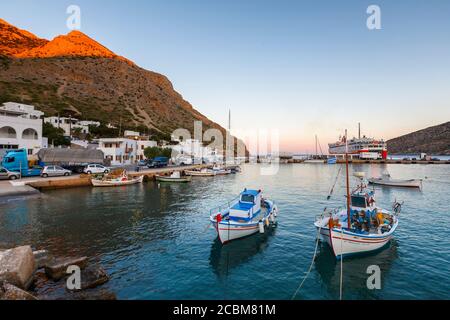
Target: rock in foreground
(10, 292)
(17, 266)
(57, 269)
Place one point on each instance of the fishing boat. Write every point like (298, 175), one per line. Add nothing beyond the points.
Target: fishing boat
(332, 160)
(316, 159)
(234, 169)
(116, 181)
(248, 214)
(386, 180)
(174, 177)
(362, 226)
(200, 173)
(221, 171)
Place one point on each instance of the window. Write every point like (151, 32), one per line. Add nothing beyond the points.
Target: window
(247, 198)
(359, 202)
(30, 152)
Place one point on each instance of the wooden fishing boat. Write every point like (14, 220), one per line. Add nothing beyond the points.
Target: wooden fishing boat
(246, 215)
(386, 180)
(362, 226)
(117, 181)
(221, 171)
(200, 173)
(174, 177)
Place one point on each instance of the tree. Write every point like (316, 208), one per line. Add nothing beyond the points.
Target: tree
(55, 135)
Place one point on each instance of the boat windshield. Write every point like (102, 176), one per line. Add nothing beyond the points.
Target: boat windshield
(247, 198)
(359, 202)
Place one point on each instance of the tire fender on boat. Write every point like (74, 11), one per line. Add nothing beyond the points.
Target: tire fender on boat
(261, 226)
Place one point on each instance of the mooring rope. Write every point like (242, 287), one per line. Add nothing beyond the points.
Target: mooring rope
(311, 266)
(342, 264)
(317, 239)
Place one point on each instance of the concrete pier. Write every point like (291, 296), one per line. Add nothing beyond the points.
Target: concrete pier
(31, 186)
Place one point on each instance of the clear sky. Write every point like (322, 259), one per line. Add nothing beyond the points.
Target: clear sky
(300, 67)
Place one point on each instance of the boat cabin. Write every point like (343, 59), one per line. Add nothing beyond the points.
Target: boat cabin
(362, 200)
(248, 206)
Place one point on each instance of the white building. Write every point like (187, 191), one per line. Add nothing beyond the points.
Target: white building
(21, 128)
(191, 148)
(124, 151)
(71, 124)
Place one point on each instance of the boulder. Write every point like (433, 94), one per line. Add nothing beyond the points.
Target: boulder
(10, 292)
(41, 258)
(57, 269)
(92, 277)
(17, 266)
(92, 295)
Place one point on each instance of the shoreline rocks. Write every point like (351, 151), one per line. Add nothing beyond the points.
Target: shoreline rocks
(10, 292)
(56, 269)
(43, 275)
(17, 266)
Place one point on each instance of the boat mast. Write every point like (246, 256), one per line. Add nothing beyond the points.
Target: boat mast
(317, 153)
(348, 182)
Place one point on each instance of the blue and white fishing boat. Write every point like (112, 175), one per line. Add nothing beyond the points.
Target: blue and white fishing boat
(363, 228)
(248, 214)
(332, 160)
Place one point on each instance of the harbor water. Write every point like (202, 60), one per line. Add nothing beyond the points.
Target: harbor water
(154, 241)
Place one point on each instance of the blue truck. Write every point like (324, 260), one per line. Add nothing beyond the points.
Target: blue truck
(158, 162)
(17, 161)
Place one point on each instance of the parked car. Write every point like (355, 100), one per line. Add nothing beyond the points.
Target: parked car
(435, 159)
(5, 174)
(55, 171)
(95, 169)
(143, 163)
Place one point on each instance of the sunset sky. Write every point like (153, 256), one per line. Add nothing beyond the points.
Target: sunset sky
(300, 67)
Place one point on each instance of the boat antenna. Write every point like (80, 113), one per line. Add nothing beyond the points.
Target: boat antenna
(359, 130)
(347, 181)
(229, 120)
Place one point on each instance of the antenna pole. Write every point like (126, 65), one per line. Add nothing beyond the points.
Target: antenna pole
(347, 182)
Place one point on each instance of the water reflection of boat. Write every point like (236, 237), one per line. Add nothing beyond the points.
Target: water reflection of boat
(225, 258)
(355, 271)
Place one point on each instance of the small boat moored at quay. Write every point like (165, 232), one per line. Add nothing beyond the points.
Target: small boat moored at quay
(332, 160)
(111, 180)
(248, 214)
(174, 177)
(386, 180)
(221, 171)
(200, 173)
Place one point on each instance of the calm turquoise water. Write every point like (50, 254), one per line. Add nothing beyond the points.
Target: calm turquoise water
(153, 240)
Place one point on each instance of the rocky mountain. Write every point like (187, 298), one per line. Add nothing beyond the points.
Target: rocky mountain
(74, 73)
(14, 41)
(433, 140)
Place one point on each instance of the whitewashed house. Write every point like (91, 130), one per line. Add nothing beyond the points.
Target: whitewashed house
(127, 150)
(21, 128)
(70, 124)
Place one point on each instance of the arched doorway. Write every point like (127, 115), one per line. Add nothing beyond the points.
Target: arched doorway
(8, 133)
(30, 134)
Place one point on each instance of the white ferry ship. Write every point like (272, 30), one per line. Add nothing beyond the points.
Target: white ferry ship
(361, 147)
